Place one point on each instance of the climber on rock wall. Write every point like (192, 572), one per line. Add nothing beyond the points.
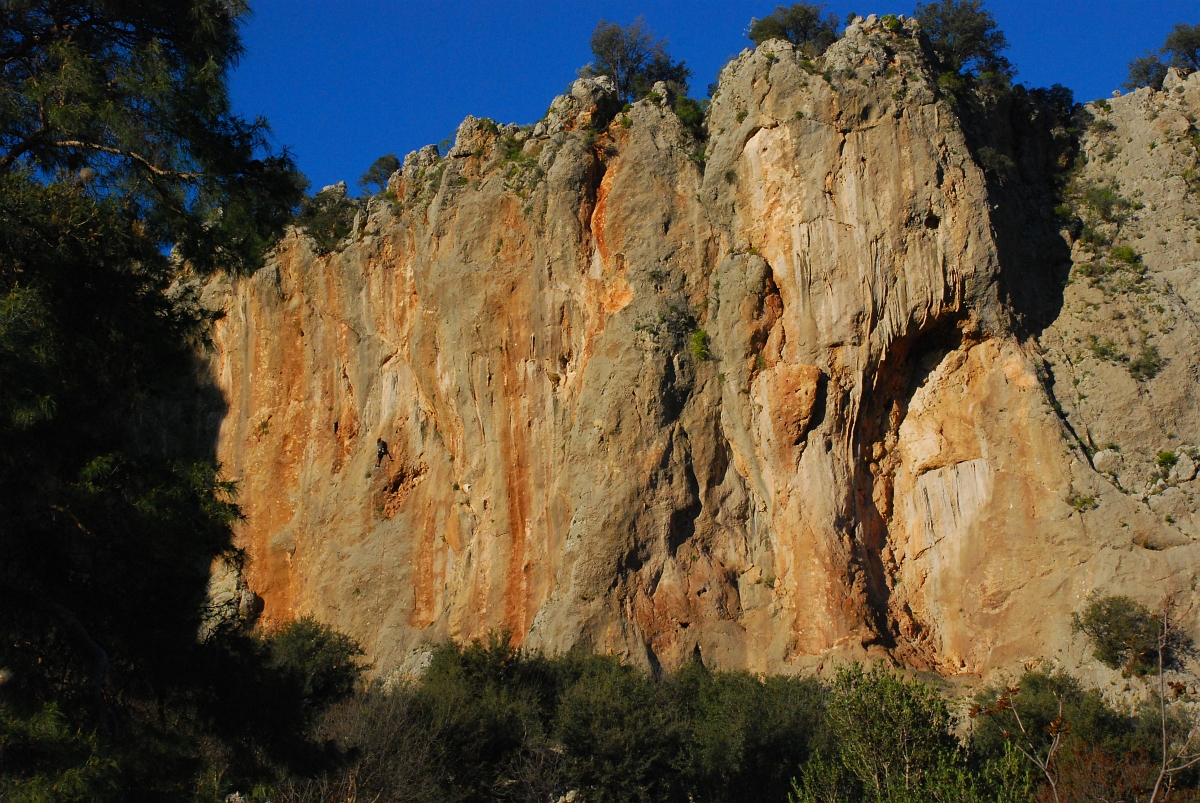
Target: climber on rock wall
(381, 451)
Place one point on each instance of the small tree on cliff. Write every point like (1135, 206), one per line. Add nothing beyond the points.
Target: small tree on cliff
(1182, 47)
(634, 59)
(1129, 637)
(966, 41)
(805, 25)
(1148, 70)
(1180, 50)
(379, 172)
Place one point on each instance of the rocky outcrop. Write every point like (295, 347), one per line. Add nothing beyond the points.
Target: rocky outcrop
(760, 399)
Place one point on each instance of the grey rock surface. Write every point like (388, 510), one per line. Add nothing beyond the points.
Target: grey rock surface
(785, 409)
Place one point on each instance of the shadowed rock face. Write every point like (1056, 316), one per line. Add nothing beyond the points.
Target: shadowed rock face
(772, 411)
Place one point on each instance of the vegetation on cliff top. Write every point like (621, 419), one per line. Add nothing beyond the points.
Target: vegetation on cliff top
(805, 25)
(1181, 50)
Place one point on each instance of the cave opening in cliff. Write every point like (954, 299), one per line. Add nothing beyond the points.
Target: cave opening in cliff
(908, 364)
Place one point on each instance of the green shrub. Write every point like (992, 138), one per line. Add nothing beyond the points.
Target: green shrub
(622, 733)
(1146, 363)
(1125, 254)
(45, 760)
(327, 218)
(1105, 349)
(994, 162)
(1036, 698)
(1095, 237)
(1106, 202)
(952, 83)
(745, 736)
(891, 740)
(1125, 635)
(1082, 503)
(1104, 752)
(1166, 460)
(699, 345)
(805, 25)
(691, 114)
(323, 662)
(490, 722)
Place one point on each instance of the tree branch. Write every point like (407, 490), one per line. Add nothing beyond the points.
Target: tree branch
(15, 153)
(137, 157)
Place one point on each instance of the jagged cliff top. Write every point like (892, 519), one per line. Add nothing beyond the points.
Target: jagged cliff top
(821, 388)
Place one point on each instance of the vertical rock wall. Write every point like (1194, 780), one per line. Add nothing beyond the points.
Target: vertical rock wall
(772, 411)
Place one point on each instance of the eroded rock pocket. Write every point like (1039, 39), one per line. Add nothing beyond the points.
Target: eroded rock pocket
(398, 487)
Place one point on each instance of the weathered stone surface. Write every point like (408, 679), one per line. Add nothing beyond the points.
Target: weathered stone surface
(1184, 469)
(1107, 461)
(774, 412)
(338, 190)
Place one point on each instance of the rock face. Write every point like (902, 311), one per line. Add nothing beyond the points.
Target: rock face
(773, 411)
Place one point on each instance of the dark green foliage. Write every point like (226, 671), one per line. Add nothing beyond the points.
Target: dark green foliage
(746, 735)
(1146, 363)
(966, 42)
(1126, 636)
(1106, 752)
(131, 97)
(48, 760)
(1104, 350)
(487, 722)
(805, 25)
(691, 114)
(623, 734)
(634, 59)
(1148, 70)
(327, 218)
(117, 142)
(1036, 699)
(379, 172)
(891, 740)
(320, 661)
(1165, 460)
(1106, 202)
(1181, 50)
(699, 344)
(994, 162)
(1182, 47)
(1125, 254)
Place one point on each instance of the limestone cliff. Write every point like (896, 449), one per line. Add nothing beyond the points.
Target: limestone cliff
(775, 403)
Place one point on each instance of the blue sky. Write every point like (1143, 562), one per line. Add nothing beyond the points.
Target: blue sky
(345, 82)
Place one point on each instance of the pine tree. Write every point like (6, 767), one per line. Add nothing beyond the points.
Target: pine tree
(117, 145)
